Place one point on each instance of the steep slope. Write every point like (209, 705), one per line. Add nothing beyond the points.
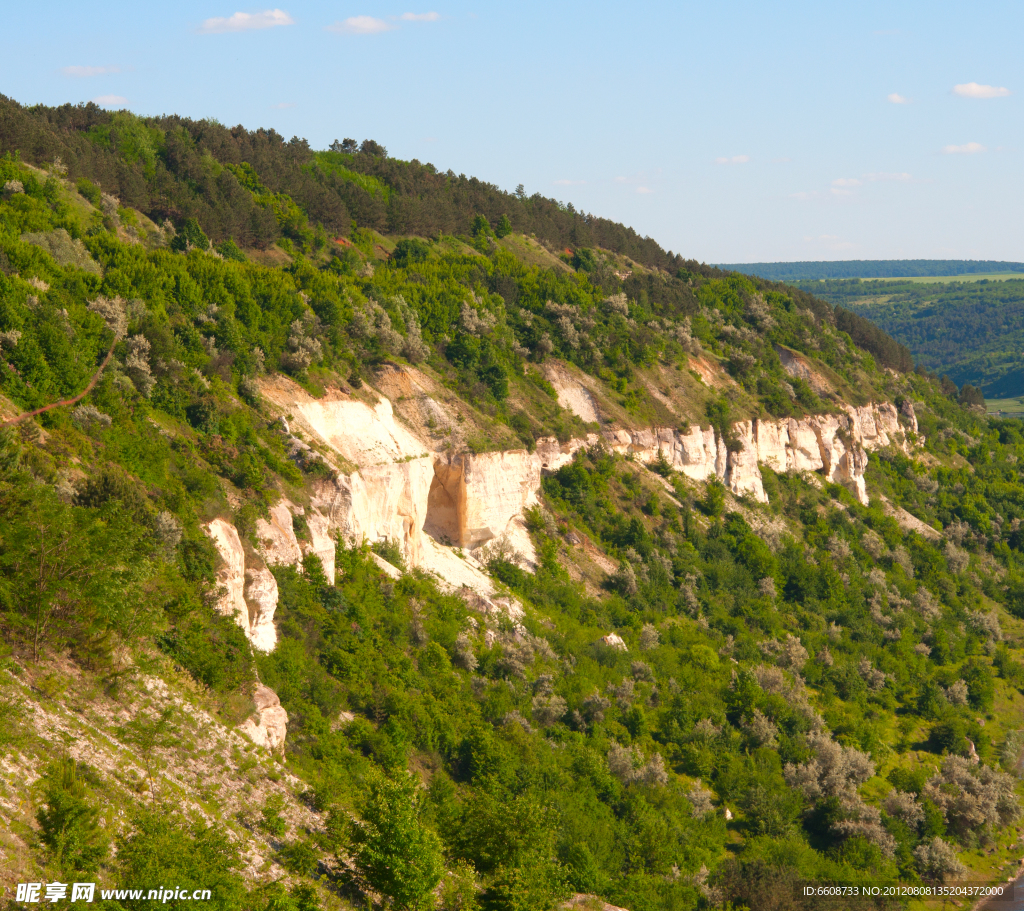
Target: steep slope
(663, 567)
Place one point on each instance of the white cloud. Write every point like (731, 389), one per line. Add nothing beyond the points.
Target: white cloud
(620, 179)
(420, 17)
(245, 22)
(846, 182)
(969, 148)
(361, 25)
(80, 72)
(973, 90)
(904, 176)
(736, 159)
(644, 190)
(896, 98)
(110, 101)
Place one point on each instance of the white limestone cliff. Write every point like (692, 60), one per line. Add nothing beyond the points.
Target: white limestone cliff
(442, 508)
(280, 546)
(250, 593)
(250, 597)
(431, 503)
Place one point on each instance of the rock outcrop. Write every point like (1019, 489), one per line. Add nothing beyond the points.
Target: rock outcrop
(429, 503)
(272, 727)
(250, 593)
(833, 445)
(250, 596)
(280, 545)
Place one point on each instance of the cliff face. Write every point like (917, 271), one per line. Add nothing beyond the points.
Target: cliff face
(441, 507)
(429, 503)
(250, 593)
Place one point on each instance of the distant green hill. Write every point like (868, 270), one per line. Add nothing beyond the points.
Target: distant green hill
(871, 268)
(972, 331)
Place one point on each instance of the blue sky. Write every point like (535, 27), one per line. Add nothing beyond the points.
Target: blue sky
(727, 131)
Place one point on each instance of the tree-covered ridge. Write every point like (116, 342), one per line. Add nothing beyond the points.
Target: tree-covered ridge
(471, 308)
(971, 331)
(812, 667)
(871, 268)
(174, 168)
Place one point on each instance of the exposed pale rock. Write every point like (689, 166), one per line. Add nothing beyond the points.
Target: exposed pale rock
(278, 543)
(907, 410)
(799, 366)
(272, 727)
(466, 500)
(387, 501)
(250, 591)
(261, 593)
(572, 394)
(231, 574)
(321, 541)
(742, 476)
(773, 444)
(804, 446)
(280, 546)
(473, 498)
(364, 434)
(393, 571)
(614, 640)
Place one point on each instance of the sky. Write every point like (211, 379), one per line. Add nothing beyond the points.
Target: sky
(729, 132)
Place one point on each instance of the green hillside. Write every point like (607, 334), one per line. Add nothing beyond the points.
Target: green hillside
(690, 698)
(972, 331)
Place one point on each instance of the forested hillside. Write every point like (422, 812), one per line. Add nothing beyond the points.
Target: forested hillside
(972, 331)
(872, 268)
(421, 545)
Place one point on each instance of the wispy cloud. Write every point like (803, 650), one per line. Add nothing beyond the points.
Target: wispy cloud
(246, 22)
(643, 191)
(831, 242)
(736, 159)
(843, 186)
(974, 90)
(371, 25)
(881, 175)
(361, 25)
(896, 98)
(110, 101)
(82, 72)
(970, 148)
